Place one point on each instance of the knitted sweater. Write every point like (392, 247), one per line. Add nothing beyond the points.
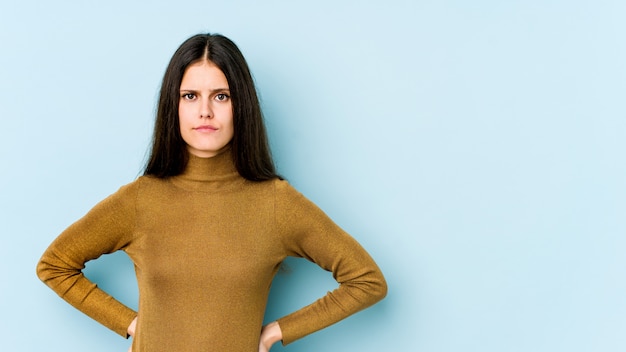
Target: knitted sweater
(206, 245)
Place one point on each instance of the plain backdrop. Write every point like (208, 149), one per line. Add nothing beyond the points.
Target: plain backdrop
(474, 148)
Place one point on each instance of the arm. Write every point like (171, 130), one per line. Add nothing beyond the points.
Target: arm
(311, 234)
(106, 228)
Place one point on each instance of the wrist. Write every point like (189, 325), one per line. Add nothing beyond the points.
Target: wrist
(271, 333)
(131, 328)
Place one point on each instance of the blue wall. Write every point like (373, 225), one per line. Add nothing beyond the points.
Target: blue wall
(475, 148)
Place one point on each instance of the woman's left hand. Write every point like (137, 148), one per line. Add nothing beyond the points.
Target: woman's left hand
(270, 334)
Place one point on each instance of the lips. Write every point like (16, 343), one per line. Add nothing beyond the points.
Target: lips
(205, 128)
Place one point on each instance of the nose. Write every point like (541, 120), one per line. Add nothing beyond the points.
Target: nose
(205, 109)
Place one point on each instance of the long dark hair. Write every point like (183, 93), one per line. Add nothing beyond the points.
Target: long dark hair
(250, 147)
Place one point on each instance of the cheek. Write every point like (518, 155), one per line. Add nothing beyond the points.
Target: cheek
(185, 117)
(183, 123)
(231, 127)
(182, 113)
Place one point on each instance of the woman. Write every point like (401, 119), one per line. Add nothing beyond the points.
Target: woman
(209, 224)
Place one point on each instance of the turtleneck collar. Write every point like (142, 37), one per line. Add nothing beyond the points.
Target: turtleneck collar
(209, 174)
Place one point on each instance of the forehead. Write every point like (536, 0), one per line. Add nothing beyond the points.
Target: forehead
(203, 74)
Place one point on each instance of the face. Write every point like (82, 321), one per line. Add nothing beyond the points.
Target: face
(205, 111)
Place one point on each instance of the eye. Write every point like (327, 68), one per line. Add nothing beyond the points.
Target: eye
(222, 97)
(188, 96)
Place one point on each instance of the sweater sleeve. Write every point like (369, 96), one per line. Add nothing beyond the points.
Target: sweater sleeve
(104, 229)
(309, 233)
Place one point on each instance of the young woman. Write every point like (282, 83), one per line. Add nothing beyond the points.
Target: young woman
(209, 224)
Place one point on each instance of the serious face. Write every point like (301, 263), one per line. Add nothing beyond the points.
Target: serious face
(205, 110)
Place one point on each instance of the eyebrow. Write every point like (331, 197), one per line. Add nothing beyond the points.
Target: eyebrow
(212, 90)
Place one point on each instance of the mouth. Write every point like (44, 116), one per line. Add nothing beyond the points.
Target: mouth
(205, 128)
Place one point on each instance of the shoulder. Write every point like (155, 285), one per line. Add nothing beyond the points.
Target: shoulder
(136, 185)
(284, 190)
(133, 189)
(148, 188)
(275, 185)
(291, 201)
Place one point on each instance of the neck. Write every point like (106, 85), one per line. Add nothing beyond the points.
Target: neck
(208, 173)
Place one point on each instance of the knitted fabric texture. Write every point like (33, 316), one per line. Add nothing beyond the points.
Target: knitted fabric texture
(206, 245)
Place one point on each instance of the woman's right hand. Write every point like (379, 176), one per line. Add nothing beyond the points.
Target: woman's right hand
(131, 332)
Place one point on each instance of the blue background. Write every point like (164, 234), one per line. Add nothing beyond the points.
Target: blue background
(475, 148)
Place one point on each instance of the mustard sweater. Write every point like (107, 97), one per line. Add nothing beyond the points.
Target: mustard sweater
(206, 245)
